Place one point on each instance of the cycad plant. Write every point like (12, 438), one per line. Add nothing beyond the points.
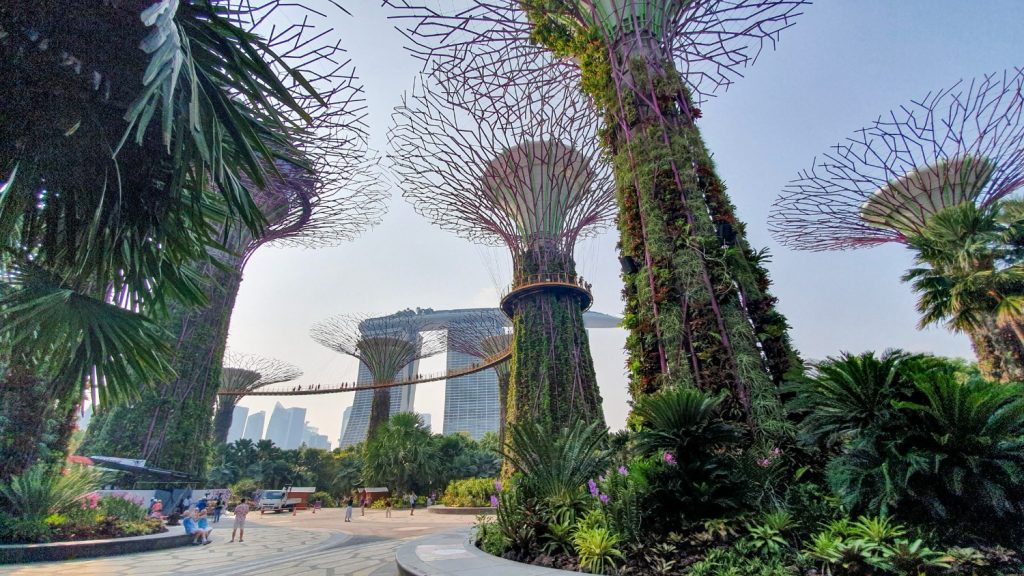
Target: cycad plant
(850, 394)
(556, 465)
(694, 450)
(401, 455)
(944, 448)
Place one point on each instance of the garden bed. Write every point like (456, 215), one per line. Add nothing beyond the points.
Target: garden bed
(53, 551)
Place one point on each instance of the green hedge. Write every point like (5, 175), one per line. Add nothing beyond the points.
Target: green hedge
(469, 492)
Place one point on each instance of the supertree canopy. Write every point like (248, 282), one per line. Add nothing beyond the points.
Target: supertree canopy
(385, 345)
(485, 334)
(529, 177)
(958, 151)
(697, 300)
(325, 195)
(243, 373)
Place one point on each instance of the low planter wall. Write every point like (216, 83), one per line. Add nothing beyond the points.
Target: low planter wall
(51, 551)
(469, 511)
(453, 554)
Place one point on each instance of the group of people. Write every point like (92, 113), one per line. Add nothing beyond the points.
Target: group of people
(364, 501)
(195, 518)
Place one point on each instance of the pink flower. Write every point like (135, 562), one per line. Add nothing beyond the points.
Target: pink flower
(497, 485)
(764, 462)
(669, 458)
(623, 471)
(776, 451)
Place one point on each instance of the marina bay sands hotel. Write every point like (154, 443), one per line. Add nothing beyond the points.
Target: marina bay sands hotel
(470, 401)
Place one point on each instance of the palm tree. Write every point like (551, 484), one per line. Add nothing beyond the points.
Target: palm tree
(969, 277)
(117, 164)
(401, 454)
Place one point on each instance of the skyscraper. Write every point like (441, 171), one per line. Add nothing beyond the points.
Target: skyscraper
(470, 401)
(254, 426)
(402, 398)
(238, 418)
(286, 426)
(344, 423)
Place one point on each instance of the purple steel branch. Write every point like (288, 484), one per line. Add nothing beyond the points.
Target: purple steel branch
(980, 119)
(383, 344)
(531, 171)
(709, 40)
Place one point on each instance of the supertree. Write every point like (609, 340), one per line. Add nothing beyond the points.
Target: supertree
(530, 178)
(697, 301)
(385, 345)
(485, 334)
(244, 373)
(326, 196)
(906, 178)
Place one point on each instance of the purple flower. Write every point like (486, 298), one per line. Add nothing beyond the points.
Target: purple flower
(764, 462)
(623, 471)
(600, 478)
(776, 451)
(604, 498)
(592, 486)
(494, 501)
(497, 485)
(669, 459)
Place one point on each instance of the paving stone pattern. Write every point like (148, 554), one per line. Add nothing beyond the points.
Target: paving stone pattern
(275, 545)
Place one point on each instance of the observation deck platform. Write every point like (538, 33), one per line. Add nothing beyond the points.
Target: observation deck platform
(570, 284)
(312, 389)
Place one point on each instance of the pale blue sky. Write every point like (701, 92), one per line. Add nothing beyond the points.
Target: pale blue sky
(844, 63)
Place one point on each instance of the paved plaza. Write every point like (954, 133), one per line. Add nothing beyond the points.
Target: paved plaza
(307, 544)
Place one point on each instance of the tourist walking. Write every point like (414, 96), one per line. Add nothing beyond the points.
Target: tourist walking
(240, 512)
(348, 509)
(387, 507)
(217, 509)
(412, 504)
(362, 504)
(316, 505)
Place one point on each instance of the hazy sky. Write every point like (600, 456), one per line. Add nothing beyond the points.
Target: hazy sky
(844, 63)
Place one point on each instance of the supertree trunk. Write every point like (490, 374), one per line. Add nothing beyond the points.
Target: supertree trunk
(697, 304)
(222, 418)
(552, 377)
(380, 410)
(171, 426)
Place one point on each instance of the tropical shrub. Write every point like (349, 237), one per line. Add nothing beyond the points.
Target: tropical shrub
(597, 548)
(326, 500)
(401, 455)
(691, 455)
(469, 492)
(489, 536)
(556, 465)
(41, 491)
(123, 506)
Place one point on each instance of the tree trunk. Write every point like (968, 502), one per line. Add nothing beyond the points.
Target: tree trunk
(222, 420)
(33, 426)
(380, 410)
(171, 426)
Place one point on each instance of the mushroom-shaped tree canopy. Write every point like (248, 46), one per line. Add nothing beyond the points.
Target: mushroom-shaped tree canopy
(385, 345)
(530, 176)
(708, 40)
(962, 144)
(244, 373)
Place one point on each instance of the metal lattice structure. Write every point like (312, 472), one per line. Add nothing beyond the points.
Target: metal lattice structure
(530, 177)
(243, 373)
(385, 345)
(710, 41)
(961, 144)
(336, 193)
(645, 63)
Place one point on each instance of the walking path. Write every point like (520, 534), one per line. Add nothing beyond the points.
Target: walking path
(275, 545)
